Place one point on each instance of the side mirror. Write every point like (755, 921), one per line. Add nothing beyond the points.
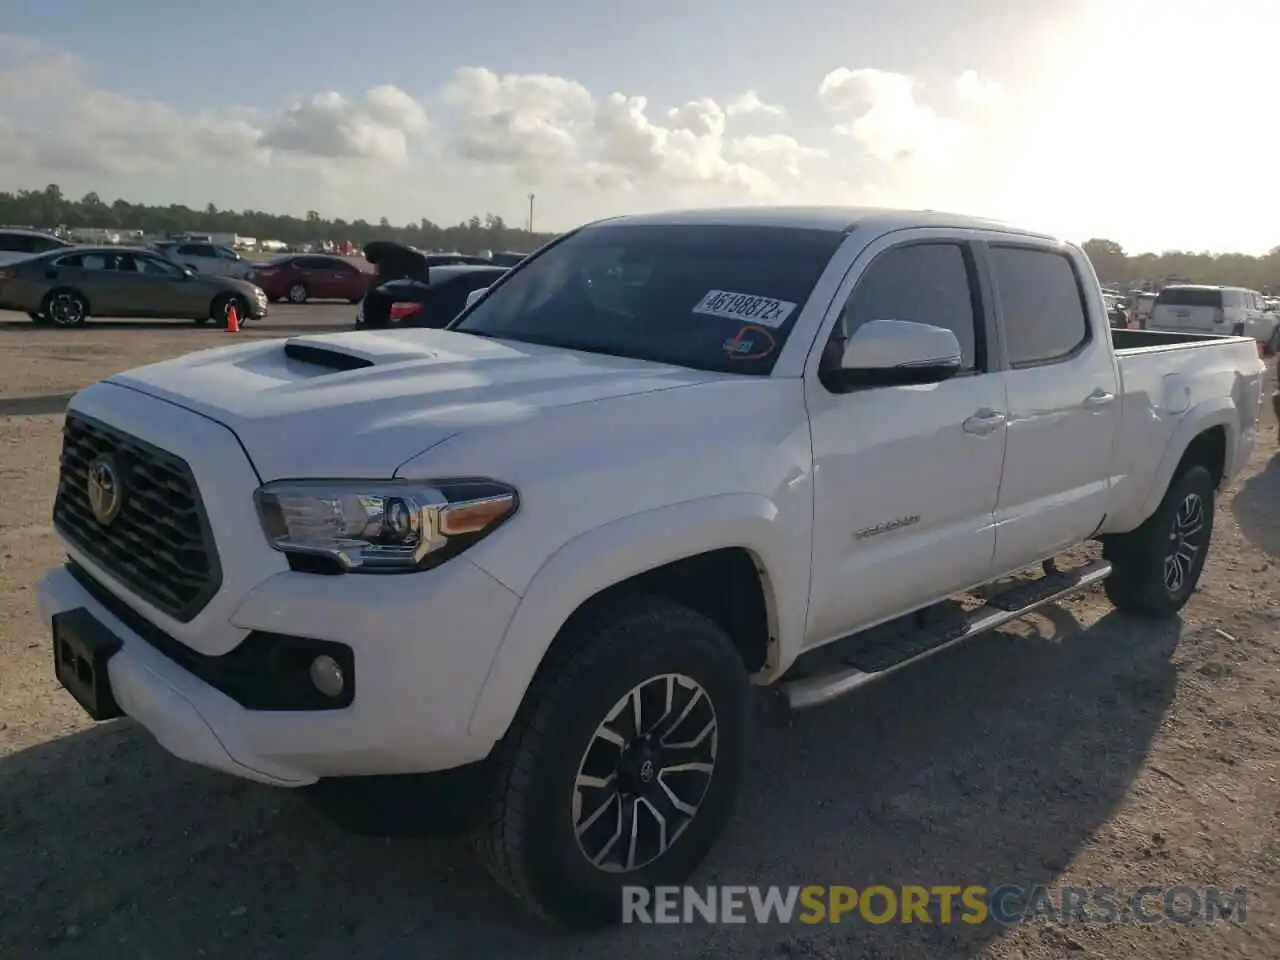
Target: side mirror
(884, 353)
(473, 296)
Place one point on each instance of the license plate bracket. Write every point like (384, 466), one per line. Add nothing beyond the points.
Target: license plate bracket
(82, 645)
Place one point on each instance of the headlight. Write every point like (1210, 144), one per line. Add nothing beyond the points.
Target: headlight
(389, 526)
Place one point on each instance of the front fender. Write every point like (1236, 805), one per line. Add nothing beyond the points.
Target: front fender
(632, 545)
(1218, 412)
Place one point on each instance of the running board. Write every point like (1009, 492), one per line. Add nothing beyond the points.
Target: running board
(1005, 608)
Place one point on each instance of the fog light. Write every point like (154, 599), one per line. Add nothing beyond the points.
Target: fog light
(327, 676)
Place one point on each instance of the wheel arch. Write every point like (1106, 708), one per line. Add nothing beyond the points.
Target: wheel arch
(731, 541)
(1207, 437)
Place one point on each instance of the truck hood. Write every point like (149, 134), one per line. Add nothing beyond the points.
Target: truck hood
(360, 404)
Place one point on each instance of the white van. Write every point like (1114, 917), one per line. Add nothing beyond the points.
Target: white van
(1195, 308)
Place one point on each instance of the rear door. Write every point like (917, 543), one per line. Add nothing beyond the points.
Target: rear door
(94, 275)
(1064, 403)
(1191, 310)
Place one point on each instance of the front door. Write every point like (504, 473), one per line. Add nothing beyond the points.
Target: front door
(906, 477)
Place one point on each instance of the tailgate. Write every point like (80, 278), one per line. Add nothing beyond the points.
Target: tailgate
(1185, 318)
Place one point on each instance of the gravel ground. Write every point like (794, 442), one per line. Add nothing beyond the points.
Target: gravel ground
(1079, 747)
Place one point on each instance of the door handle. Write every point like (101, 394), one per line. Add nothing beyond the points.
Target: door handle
(985, 421)
(1098, 399)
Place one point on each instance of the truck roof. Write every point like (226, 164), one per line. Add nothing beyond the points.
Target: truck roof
(833, 218)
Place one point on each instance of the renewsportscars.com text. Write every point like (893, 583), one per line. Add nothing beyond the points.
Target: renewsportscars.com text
(940, 904)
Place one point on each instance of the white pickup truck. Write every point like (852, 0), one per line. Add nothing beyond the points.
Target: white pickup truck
(663, 459)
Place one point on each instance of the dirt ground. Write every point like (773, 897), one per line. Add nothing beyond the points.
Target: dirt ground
(1081, 747)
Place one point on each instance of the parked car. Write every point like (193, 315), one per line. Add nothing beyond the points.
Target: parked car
(1275, 396)
(425, 296)
(302, 277)
(66, 287)
(1117, 310)
(20, 244)
(207, 258)
(1197, 308)
(665, 457)
(507, 258)
(392, 261)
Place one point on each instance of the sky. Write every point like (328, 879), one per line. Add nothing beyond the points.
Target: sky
(1136, 120)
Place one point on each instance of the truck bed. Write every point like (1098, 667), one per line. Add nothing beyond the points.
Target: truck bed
(1135, 341)
(1162, 376)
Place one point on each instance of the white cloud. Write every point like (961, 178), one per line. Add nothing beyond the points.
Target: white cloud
(553, 130)
(376, 127)
(750, 103)
(972, 87)
(883, 114)
(481, 142)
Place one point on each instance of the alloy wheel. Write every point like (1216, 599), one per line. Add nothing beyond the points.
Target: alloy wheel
(1185, 543)
(645, 773)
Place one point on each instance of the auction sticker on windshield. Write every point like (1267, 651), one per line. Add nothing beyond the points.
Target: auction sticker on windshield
(745, 306)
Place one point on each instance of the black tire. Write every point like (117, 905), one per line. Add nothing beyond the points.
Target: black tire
(1141, 581)
(1272, 346)
(529, 839)
(65, 307)
(298, 293)
(221, 307)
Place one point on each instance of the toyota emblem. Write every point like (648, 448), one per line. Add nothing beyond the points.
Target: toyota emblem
(106, 495)
(646, 771)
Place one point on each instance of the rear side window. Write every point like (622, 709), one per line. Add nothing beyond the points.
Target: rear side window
(84, 261)
(1189, 297)
(1041, 304)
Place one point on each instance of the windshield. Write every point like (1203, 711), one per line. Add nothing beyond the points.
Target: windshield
(708, 297)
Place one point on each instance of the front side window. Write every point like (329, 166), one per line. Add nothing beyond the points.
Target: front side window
(923, 283)
(708, 297)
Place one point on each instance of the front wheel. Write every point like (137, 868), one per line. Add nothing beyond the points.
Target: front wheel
(1157, 566)
(298, 293)
(623, 763)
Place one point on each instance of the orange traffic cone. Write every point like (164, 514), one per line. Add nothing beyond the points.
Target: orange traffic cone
(233, 319)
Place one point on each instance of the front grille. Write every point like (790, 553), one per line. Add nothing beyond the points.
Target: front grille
(158, 545)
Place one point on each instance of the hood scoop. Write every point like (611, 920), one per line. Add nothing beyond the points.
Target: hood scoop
(324, 356)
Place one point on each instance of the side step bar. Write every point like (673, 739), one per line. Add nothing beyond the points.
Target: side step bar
(1005, 608)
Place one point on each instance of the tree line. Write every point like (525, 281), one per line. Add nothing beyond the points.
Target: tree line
(49, 208)
(1115, 266)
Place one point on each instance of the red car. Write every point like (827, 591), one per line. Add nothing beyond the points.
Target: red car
(302, 277)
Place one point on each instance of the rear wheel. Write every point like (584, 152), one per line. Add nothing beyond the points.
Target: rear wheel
(622, 765)
(1157, 566)
(65, 307)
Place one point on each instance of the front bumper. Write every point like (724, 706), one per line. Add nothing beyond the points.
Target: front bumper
(422, 644)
